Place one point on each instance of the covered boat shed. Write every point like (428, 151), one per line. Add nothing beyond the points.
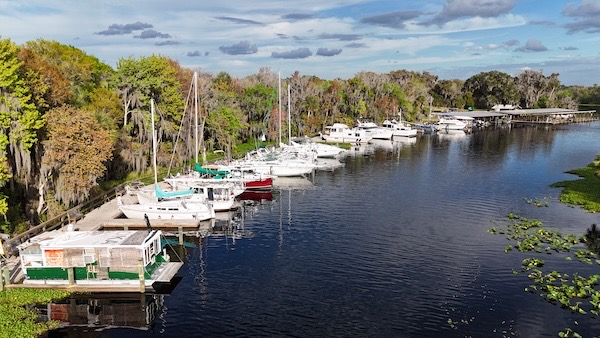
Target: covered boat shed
(550, 116)
(481, 116)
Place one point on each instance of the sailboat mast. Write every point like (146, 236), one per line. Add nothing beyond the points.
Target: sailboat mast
(279, 100)
(153, 142)
(289, 115)
(196, 112)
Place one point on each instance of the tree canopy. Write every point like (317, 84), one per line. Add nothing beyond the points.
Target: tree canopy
(69, 121)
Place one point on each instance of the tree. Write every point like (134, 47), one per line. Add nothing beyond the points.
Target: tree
(448, 93)
(19, 120)
(491, 88)
(49, 88)
(225, 124)
(75, 154)
(137, 81)
(257, 102)
(537, 90)
(84, 72)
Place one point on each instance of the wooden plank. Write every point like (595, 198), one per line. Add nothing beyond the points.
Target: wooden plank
(167, 272)
(156, 224)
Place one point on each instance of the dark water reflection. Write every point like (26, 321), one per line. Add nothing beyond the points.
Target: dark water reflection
(393, 244)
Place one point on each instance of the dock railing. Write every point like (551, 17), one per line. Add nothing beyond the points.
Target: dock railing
(70, 216)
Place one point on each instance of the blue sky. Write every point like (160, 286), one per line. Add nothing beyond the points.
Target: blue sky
(453, 39)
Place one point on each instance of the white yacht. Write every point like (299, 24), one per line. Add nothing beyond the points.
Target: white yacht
(322, 150)
(341, 133)
(453, 122)
(193, 208)
(399, 129)
(376, 132)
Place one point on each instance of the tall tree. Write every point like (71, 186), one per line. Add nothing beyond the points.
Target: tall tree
(225, 124)
(491, 88)
(75, 154)
(84, 72)
(137, 81)
(19, 120)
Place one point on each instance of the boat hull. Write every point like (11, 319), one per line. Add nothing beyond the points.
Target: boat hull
(168, 210)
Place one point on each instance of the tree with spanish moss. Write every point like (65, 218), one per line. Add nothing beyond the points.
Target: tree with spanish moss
(75, 154)
(19, 122)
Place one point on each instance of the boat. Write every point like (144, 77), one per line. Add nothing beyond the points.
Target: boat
(453, 122)
(376, 132)
(322, 150)
(221, 195)
(426, 128)
(399, 129)
(197, 208)
(97, 258)
(276, 163)
(341, 133)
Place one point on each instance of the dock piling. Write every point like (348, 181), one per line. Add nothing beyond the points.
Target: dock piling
(141, 276)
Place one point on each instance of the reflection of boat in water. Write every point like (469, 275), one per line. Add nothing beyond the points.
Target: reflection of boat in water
(256, 195)
(452, 134)
(328, 164)
(296, 183)
(132, 311)
(361, 150)
(387, 145)
(404, 141)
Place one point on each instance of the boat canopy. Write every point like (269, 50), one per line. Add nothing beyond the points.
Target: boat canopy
(202, 170)
(172, 194)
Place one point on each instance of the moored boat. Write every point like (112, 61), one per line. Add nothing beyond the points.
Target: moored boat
(399, 129)
(97, 258)
(341, 133)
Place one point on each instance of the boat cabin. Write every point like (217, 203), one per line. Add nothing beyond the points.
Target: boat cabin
(93, 255)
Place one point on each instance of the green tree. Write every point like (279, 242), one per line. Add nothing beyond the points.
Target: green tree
(225, 124)
(19, 120)
(137, 81)
(84, 72)
(257, 102)
(491, 88)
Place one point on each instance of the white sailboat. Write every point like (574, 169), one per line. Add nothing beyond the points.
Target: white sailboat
(197, 208)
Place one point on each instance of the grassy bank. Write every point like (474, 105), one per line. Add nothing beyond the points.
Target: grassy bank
(16, 320)
(584, 191)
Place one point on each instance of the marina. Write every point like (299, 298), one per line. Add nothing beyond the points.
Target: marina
(321, 238)
(410, 258)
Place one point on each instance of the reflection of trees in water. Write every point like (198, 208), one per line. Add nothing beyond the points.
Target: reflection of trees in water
(533, 139)
(592, 239)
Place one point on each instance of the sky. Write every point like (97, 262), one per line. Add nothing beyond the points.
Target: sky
(452, 39)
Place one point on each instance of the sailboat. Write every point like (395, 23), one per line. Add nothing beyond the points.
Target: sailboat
(195, 206)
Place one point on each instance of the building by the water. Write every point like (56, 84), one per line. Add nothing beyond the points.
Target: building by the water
(504, 114)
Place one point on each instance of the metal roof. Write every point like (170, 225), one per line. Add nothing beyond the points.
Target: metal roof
(473, 114)
(92, 239)
(492, 113)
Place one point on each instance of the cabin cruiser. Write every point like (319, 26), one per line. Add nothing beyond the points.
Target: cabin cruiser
(376, 132)
(341, 133)
(399, 129)
(453, 122)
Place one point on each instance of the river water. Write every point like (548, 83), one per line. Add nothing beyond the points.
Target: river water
(392, 244)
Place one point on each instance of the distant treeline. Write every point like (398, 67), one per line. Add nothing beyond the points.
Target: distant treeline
(69, 121)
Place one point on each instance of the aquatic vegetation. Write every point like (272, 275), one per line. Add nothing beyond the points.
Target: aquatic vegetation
(16, 320)
(576, 293)
(585, 191)
(537, 202)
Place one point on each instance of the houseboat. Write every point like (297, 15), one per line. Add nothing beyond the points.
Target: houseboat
(88, 259)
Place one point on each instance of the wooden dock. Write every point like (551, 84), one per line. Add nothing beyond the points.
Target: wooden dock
(107, 217)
